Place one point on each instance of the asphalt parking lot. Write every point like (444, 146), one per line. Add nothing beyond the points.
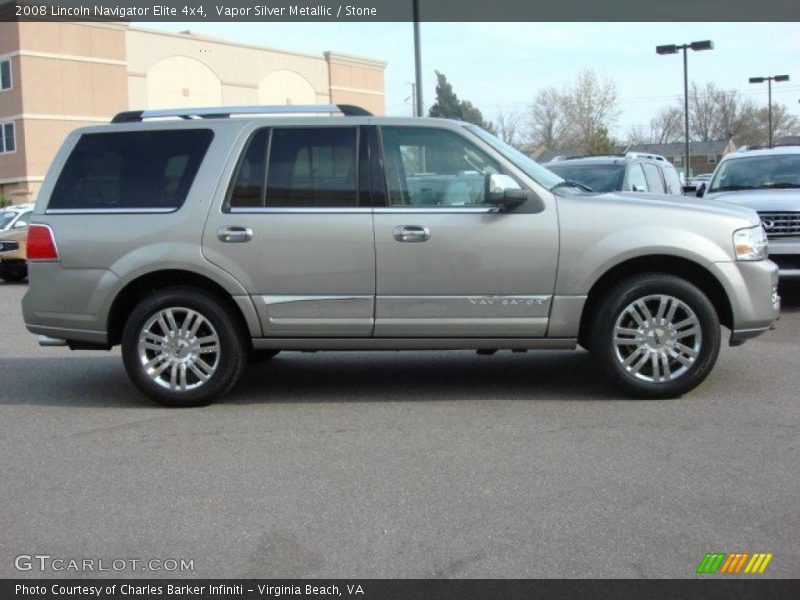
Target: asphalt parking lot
(443, 464)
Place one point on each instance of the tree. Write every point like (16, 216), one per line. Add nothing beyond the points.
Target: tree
(508, 125)
(546, 121)
(590, 108)
(448, 105)
(577, 118)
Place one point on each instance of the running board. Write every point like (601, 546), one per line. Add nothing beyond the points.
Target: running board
(415, 343)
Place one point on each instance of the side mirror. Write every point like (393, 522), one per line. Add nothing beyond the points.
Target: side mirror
(504, 192)
(20, 225)
(700, 190)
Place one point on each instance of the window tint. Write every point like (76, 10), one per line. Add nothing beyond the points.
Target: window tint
(636, 180)
(434, 167)
(248, 187)
(673, 181)
(5, 75)
(312, 167)
(131, 170)
(8, 139)
(654, 182)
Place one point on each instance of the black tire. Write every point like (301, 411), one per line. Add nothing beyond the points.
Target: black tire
(664, 341)
(259, 355)
(228, 360)
(14, 272)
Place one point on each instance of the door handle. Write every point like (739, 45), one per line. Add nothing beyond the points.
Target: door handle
(411, 233)
(234, 234)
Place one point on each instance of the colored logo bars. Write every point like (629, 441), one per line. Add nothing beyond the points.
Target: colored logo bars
(720, 562)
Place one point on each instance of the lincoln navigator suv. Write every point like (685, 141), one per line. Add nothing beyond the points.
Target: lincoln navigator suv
(203, 239)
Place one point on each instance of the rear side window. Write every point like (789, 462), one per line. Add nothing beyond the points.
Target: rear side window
(305, 168)
(150, 170)
(673, 181)
(654, 182)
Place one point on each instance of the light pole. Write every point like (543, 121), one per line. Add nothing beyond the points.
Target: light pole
(673, 49)
(417, 61)
(769, 80)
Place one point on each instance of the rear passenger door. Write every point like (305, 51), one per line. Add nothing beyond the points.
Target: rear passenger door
(295, 228)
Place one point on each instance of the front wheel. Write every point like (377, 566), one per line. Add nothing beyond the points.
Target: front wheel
(182, 347)
(656, 336)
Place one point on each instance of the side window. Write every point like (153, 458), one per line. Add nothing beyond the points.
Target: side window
(653, 176)
(131, 170)
(5, 75)
(248, 187)
(636, 180)
(434, 167)
(312, 167)
(673, 181)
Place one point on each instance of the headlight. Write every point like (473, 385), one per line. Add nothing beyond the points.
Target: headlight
(750, 244)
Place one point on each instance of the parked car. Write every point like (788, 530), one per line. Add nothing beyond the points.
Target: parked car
(194, 241)
(632, 172)
(16, 213)
(13, 265)
(768, 181)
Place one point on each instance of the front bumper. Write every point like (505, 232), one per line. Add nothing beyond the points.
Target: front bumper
(785, 252)
(752, 288)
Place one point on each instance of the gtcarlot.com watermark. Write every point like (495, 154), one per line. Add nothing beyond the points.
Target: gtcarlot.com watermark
(48, 563)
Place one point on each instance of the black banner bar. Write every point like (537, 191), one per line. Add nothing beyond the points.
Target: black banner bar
(401, 10)
(400, 589)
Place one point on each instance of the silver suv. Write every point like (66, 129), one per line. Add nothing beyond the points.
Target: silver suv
(768, 181)
(631, 172)
(201, 239)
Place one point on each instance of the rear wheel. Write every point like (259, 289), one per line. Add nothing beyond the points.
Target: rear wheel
(656, 335)
(181, 347)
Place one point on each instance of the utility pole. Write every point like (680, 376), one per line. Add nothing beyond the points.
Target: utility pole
(418, 107)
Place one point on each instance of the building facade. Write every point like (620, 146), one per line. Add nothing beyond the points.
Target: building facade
(55, 77)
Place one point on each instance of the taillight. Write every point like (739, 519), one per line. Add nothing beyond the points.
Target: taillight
(41, 243)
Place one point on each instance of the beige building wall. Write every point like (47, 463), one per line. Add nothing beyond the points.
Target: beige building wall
(65, 75)
(357, 80)
(68, 75)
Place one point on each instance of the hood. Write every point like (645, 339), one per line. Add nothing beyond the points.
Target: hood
(762, 200)
(687, 203)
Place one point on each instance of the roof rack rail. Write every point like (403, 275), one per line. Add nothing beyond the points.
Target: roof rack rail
(223, 112)
(650, 155)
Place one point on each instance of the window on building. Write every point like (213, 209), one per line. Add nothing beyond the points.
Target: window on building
(8, 138)
(131, 170)
(712, 159)
(5, 75)
(677, 160)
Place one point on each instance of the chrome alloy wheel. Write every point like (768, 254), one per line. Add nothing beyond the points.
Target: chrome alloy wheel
(179, 357)
(657, 338)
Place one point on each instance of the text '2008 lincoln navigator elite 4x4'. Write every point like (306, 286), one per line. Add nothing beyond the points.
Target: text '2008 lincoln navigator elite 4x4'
(204, 240)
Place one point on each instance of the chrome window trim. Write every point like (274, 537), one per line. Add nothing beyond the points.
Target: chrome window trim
(306, 210)
(436, 210)
(110, 211)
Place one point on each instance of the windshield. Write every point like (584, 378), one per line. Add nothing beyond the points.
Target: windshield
(531, 168)
(601, 178)
(6, 216)
(757, 172)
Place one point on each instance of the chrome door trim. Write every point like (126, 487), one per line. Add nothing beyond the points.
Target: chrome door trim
(299, 210)
(433, 210)
(286, 299)
(443, 306)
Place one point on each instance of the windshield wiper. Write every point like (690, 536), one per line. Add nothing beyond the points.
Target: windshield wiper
(570, 183)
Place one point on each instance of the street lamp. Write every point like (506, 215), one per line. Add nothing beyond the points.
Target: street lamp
(769, 80)
(673, 49)
(418, 108)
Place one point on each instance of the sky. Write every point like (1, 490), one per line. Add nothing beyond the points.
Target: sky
(504, 65)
